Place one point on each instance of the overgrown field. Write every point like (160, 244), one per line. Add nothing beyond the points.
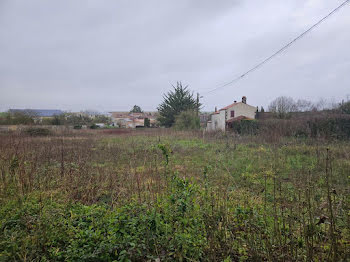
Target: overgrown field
(164, 196)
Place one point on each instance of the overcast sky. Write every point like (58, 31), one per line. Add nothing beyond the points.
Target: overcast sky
(109, 55)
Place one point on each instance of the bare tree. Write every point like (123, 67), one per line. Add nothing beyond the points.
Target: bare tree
(282, 106)
(325, 104)
(303, 105)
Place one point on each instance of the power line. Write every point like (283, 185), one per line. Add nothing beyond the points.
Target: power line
(280, 50)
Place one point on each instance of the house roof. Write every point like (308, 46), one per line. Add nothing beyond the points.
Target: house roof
(229, 106)
(234, 104)
(120, 114)
(38, 112)
(150, 115)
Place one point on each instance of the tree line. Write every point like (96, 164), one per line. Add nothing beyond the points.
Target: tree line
(29, 118)
(179, 109)
(284, 106)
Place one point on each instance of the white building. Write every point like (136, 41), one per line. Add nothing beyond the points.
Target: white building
(237, 111)
(100, 125)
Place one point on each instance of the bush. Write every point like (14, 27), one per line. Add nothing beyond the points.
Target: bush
(172, 230)
(330, 128)
(246, 127)
(345, 108)
(56, 120)
(187, 120)
(17, 118)
(37, 131)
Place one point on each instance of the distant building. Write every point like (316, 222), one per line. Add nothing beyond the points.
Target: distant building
(132, 120)
(225, 117)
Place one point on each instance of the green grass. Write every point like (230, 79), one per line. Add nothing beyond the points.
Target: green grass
(173, 196)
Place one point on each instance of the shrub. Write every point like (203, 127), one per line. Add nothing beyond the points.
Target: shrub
(56, 120)
(17, 118)
(345, 108)
(330, 128)
(172, 230)
(246, 127)
(37, 131)
(187, 120)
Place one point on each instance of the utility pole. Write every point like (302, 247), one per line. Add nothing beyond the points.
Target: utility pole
(197, 104)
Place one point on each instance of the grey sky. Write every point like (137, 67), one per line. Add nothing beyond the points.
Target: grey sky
(110, 55)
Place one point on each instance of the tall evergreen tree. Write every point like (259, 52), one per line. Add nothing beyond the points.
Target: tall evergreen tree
(146, 122)
(136, 109)
(176, 101)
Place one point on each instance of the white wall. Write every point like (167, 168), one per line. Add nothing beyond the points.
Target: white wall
(241, 109)
(218, 121)
(221, 121)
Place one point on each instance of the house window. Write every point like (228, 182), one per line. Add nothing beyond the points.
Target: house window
(232, 113)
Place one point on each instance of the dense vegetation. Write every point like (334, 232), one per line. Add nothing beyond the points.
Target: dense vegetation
(325, 127)
(136, 109)
(175, 102)
(89, 196)
(187, 120)
(29, 118)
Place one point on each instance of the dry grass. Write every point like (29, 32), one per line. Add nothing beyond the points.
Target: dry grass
(281, 201)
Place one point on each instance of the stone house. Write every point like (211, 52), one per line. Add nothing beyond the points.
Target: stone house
(132, 120)
(225, 117)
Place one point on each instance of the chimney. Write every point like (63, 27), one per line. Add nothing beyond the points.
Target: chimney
(244, 99)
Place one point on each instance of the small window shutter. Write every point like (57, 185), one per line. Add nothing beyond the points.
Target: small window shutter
(232, 113)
